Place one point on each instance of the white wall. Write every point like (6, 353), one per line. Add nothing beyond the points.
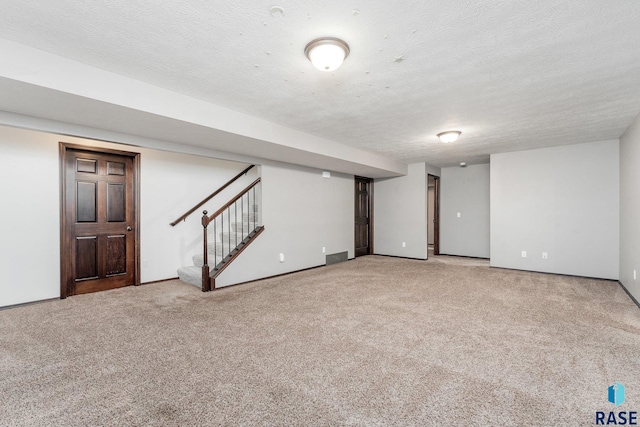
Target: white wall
(301, 212)
(465, 191)
(29, 218)
(561, 200)
(630, 208)
(400, 214)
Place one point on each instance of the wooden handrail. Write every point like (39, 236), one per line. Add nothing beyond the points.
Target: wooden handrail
(210, 218)
(210, 196)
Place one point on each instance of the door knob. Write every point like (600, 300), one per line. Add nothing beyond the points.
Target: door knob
(129, 228)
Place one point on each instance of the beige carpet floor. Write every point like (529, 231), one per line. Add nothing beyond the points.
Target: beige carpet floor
(371, 342)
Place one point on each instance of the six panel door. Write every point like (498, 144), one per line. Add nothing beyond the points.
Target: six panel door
(362, 216)
(100, 222)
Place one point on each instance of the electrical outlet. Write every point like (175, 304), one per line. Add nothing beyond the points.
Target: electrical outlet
(634, 275)
(458, 214)
(324, 250)
(404, 244)
(544, 255)
(524, 254)
(281, 257)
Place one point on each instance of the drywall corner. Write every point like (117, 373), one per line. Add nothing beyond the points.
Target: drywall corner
(464, 211)
(630, 209)
(400, 213)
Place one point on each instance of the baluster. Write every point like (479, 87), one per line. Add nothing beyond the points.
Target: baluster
(250, 212)
(222, 232)
(206, 281)
(215, 242)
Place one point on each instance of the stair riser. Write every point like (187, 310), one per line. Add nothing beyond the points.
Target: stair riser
(237, 217)
(241, 227)
(236, 227)
(192, 275)
(233, 237)
(218, 249)
(250, 217)
(198, 260)
(224, 237)
(249, 222)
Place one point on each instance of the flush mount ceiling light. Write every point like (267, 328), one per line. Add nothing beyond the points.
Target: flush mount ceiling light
(449, 136)
(327, 53)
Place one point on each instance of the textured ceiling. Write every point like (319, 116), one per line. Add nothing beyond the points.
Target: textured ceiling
(510, 75)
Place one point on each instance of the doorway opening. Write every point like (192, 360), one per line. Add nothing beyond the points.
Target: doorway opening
(363, 216)
(433, 215)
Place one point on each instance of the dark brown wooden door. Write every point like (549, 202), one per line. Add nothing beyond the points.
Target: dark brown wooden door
(99, 238)
(363, 216)
(436, 216)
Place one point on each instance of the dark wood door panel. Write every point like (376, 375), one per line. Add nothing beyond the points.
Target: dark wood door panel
(116, 202)
(86, 165)
(116, 255)
(115, 168)
(99, 237)
(99, 285)
(86, 198)
(363, 216)
(86, 257)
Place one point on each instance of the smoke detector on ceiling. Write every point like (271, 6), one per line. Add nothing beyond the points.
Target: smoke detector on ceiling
(276, 11)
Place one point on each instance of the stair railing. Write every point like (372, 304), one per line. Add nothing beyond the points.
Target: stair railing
(210, 196)
(230, 236)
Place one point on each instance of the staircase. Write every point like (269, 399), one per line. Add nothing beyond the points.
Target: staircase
(226, 234)
(228, 244)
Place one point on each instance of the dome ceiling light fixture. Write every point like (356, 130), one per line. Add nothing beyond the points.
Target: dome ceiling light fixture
(449, 136)
(327, 53)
